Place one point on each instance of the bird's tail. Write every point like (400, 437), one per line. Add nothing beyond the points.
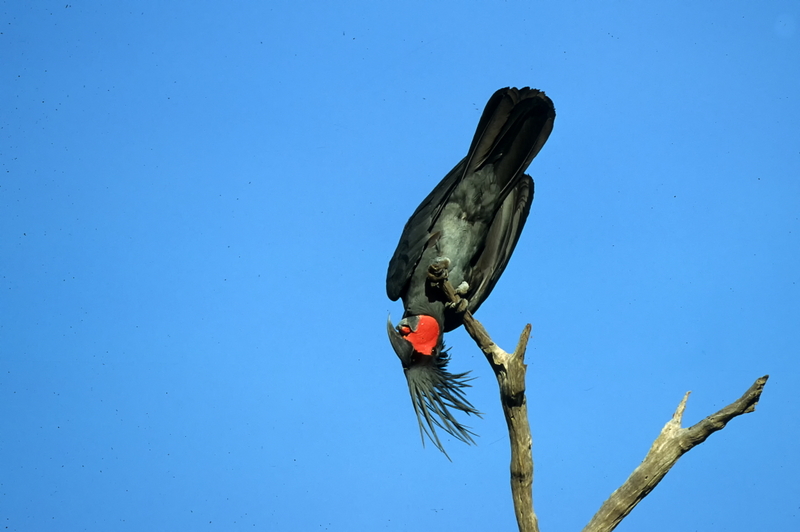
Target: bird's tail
(513, 128)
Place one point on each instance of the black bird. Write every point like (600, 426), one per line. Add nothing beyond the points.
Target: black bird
(470, 222)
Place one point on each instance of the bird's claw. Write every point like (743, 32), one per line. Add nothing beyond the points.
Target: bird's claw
(462, 304)
(437, 271)
(459, 306)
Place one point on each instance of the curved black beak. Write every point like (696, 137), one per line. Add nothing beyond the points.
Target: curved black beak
(402, 347)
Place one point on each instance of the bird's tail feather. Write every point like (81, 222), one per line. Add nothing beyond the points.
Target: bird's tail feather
(513, 128)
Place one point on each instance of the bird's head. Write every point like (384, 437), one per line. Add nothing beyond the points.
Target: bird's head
(415, 338)
(418, 343)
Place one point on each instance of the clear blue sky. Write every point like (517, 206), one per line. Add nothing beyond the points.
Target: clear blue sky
(198, 202)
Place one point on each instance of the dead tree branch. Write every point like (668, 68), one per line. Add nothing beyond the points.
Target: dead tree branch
(671, 444)
(509, 368)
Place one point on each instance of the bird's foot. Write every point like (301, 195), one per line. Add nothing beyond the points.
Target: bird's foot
(437, 271)
(437, 276)
(459, 306)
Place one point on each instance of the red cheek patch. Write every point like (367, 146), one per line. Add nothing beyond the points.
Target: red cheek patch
(426, 337)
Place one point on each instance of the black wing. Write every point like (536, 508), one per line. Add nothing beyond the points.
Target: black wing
(513, 128)
(417, 233)
(503, 236)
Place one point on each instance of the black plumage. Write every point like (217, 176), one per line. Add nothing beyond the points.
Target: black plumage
(473, 219)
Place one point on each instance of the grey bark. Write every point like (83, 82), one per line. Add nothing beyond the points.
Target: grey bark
(671, 444)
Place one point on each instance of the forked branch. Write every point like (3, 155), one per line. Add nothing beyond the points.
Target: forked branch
(671, 444)
(509, 368)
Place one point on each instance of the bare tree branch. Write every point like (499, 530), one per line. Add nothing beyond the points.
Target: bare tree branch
(670, 445)
(510, 372)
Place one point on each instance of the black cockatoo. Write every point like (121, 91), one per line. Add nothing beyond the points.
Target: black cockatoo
(470, 222)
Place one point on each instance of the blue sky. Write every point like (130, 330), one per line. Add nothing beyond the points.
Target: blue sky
(198, 202)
